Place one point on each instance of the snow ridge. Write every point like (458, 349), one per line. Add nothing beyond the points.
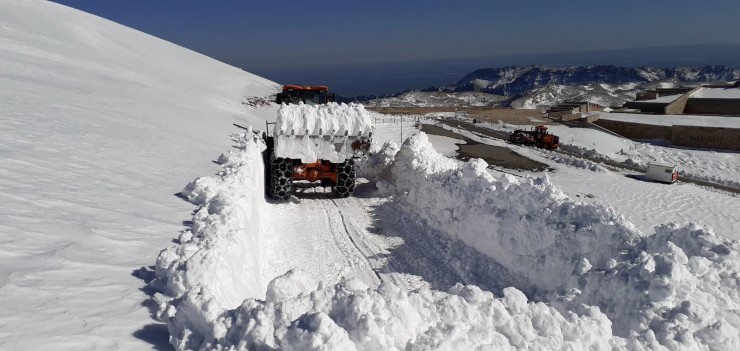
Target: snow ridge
(528, 225)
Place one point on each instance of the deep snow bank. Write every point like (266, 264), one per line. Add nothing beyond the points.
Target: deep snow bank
(221, 251)
(301, 314)
(678, 288)
(529, 226)
(600, 283)
(313, 132)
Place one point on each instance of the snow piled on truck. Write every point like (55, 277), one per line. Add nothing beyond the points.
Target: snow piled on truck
(314, 132)
(581, 277)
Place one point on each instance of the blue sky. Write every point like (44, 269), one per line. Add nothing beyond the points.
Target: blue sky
(268, 35)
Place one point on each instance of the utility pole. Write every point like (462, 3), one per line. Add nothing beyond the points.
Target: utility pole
(401, 129)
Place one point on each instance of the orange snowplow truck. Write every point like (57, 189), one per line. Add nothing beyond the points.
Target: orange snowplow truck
(538, 137)
(284, 168)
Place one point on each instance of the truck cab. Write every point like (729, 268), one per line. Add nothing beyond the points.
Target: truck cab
(660, 172)
(309, 95)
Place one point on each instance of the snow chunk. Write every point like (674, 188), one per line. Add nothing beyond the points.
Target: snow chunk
(377, 166)
(315, 331)
(289, 285)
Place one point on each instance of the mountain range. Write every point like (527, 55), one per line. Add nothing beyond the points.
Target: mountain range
(544, 86)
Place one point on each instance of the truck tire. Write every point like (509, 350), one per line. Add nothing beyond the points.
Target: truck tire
(281, 178)
(345, 179)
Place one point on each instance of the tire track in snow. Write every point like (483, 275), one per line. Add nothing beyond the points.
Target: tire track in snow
(313, 235)
(356, 259)
(364, 253)
(373, 240)
(355, 216)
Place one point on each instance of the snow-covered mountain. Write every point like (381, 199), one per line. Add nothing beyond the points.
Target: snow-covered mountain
(100, 125)
(544, 86)
(416, 98)
(515, 81)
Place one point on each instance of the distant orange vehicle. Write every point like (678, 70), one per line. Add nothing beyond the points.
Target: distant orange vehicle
(538, 137)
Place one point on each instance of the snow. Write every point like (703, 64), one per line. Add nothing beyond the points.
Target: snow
(321, 132)
(348, 316)
(670, 120)
(599, 282)
(100, 125)
(716, 93)
(229, 209)
(441, 194)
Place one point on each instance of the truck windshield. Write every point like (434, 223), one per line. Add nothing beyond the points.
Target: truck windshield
(306, 96)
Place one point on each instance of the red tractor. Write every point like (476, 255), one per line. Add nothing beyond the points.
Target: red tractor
(538, 137)
(314, 140)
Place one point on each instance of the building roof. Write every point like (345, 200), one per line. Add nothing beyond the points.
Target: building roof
(716, 93)
(670, 120)
(663, 99)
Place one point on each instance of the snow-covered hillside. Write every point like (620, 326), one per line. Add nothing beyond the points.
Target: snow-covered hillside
(100, 125)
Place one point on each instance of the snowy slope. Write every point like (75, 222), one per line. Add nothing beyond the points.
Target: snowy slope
(100, 125)
(558, 273)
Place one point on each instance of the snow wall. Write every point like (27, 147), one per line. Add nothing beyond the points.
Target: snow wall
(598, 282)
(221, 250)
(677, 289)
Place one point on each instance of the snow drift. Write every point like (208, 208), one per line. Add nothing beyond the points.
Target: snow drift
(326, 132)
(600, 283)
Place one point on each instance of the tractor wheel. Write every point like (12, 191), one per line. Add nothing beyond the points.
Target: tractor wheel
(345, 179)
(281, 178)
